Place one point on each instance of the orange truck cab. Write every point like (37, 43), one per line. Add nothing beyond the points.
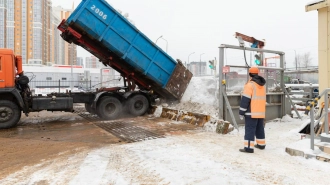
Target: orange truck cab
(12, 84)
(10, 66)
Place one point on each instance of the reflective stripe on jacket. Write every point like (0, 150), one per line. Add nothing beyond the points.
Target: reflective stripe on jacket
(253, 101)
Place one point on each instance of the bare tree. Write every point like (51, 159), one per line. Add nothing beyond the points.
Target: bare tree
(303, 60)
(306, 59)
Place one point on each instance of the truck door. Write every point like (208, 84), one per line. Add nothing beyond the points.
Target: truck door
(7, 71)
(2, 73)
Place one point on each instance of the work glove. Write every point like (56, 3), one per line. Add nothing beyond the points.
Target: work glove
(241, 117)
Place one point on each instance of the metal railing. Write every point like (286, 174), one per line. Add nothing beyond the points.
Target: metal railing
(307, 92)
(60, 86)
(277, 102)
(324, 115)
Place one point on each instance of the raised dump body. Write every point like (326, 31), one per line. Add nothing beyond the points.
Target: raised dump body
(99, 28)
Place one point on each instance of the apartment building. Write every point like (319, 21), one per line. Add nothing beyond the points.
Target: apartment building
(65, 53)
(93, 62)
(80, 61)
(30, 29)
(3, 15)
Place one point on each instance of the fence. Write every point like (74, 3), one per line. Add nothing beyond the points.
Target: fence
(302, 94)
(49, 86)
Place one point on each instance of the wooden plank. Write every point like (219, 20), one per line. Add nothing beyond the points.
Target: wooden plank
(321, 128)
(326, 149)
(323, 157)
(316, 6)
(322, 144)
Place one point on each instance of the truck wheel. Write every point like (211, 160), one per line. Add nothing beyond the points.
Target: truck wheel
(89, 108)
(10, 114)
(138, 105)
(109, 108)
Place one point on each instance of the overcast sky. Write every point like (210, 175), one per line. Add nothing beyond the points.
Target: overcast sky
(202, 26)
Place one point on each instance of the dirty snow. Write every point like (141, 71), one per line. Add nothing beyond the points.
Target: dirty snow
(200, 157)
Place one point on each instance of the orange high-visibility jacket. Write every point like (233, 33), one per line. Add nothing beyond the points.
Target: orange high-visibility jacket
(253, 101)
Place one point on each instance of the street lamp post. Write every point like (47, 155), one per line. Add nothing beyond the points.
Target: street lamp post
(166, 43)
(200, 64)
(295, 57)
(163, 39)
(159, 38)
(189, 56)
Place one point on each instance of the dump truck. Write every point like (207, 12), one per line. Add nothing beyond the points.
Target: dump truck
(148, 72)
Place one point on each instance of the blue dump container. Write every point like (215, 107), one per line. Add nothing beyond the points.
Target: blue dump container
(108, 29)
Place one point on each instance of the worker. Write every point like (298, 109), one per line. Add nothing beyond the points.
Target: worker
(253, 108)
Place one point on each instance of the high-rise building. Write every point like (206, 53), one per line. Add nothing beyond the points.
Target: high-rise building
(80, 61)
(3, 15)
(10, 25)
(65, 53)
(30, 29)
(93, 62)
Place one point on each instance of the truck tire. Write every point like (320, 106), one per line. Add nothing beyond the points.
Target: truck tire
(10, 114)
(138, 105)
(89, 108)
(109, 108)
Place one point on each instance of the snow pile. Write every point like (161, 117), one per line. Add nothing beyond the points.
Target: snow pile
(199, 97)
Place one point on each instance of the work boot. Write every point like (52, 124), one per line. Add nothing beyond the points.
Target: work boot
(259, 147)
(246, 151)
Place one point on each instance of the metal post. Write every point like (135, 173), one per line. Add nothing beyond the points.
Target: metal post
(296, 60)
(200, 64)
(312, 127)
(251, 58)
(188, 60)
(215, 68)
(71, 76)
(159, 38)
(166, 43)
(282, 84)
(311, 92)
(266, 79)
(326, 105)
(221, 61)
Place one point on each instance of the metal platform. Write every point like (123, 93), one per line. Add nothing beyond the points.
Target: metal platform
(127, 132)
(122, 130)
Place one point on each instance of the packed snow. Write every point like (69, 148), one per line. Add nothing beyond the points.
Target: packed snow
(197, 157)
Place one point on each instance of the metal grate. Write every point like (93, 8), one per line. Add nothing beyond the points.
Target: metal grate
(122, 130)
(81, 111)
(127, 132)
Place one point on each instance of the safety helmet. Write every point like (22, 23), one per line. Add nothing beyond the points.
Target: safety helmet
(254, 70)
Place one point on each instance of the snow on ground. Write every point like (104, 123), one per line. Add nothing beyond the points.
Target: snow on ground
(200, 157)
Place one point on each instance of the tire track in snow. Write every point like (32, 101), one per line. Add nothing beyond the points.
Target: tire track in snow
(93, 167)
(125, 162)
(52, 171)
